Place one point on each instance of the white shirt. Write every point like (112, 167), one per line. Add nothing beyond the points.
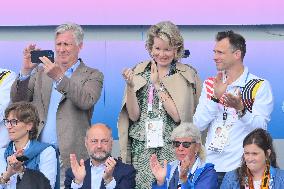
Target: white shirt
(96, 178)
(47, 165)
(5, 87)
(208, 111)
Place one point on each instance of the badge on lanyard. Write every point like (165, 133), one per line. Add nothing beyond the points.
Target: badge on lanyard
(154, 133)
(221, 134)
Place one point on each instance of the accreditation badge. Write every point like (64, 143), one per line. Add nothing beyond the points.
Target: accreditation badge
(154, 133)
(220, 138)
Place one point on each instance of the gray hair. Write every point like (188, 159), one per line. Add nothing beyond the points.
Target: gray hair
(169, 32)
(75, 28)
(186, 129)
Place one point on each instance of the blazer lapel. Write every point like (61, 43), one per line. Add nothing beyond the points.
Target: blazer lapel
(87, 181)
(47, 83)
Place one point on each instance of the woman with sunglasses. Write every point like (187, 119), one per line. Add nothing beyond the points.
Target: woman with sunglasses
(24, 155)
(259, 167)
(189, 170)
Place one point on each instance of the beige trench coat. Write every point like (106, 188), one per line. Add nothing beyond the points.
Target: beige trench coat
(184, 87)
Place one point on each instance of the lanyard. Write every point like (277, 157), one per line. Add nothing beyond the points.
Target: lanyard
(150, 98)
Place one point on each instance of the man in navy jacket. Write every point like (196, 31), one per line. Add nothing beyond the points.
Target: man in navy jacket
(100, 170)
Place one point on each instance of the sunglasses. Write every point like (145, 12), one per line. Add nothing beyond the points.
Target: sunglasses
(176, 144)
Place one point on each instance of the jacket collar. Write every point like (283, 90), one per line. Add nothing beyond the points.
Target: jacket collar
(142, 66)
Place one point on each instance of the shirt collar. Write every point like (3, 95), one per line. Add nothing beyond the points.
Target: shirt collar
(102, 165)
(242, 80)
(72, 68)
(25, 147)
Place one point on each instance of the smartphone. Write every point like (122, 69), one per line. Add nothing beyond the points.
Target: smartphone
(22, 158)
(36, 54)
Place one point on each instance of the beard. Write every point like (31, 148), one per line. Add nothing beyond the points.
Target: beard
(100, 157)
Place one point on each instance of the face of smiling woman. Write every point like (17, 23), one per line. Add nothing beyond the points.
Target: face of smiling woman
(162, 52)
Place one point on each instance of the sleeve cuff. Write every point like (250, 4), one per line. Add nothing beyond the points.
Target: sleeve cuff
(75, 185)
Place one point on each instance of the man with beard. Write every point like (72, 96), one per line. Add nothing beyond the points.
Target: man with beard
(100, 171)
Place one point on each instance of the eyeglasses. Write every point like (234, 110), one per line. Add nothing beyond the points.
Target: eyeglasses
(12, 122)
(176, 144)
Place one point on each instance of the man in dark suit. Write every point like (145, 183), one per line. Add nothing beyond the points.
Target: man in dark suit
(100, 170)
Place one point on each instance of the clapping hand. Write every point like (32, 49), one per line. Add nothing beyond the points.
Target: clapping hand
(128, 77)
(110, 165)
(78, 170)
(158, 170)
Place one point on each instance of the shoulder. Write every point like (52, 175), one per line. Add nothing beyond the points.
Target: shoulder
(231, 176)
(188, 72)
(84, 68)
(186, 68)
(120, 166)
(279, 175)
(7, 73)
(49, 150)
(141, 66)
(207, 171)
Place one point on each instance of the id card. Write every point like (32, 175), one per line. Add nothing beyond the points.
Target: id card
(220, 139)
(154, 133)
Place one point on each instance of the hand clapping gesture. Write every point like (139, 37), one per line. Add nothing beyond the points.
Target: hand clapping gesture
(185, 165)
(78, 170)
(155, 75)
(14, 165)
(110, 165)
(128, 77)
(158, 170)
(219, 86)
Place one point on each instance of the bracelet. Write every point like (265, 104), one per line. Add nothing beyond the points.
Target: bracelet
(241, 113)
(3, 180)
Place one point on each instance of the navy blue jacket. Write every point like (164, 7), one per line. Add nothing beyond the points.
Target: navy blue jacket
(206, 178)
(123, 174)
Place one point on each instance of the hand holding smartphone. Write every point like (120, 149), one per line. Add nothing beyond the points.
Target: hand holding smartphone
(22, 158)
(40, 53)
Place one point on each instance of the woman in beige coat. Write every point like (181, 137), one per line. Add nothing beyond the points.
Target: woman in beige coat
(160, 93)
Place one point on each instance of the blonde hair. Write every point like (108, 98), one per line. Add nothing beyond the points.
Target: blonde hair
(169, 32)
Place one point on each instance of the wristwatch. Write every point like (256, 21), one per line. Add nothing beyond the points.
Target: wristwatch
(214, 99)
(241, 113)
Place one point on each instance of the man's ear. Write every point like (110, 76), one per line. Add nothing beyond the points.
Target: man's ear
(238, 54)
